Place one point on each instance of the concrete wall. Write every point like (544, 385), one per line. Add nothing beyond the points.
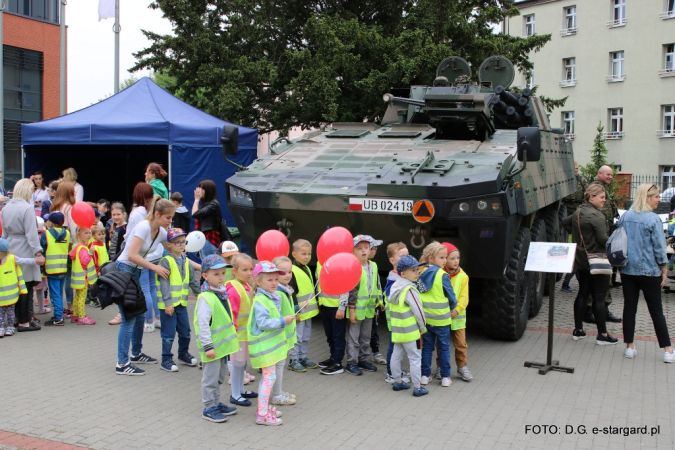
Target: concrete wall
(641, 94)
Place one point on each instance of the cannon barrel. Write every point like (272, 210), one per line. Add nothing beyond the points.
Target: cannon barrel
(527, 116)
(523, 101)
(506, 97)
(526, 92)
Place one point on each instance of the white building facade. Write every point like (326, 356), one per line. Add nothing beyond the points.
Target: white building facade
(615, 60)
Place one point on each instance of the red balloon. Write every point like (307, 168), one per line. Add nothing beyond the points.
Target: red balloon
(340, 274)
(0, 225)
(271, 243)
(83, 214)
(335, 240)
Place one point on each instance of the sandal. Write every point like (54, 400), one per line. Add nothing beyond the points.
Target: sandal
(10, 331)
(276, 413)
(268, 419)
(45, 310)
(116, 320)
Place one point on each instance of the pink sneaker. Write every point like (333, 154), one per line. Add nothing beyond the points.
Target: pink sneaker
(274, 411)
(86, 320)
(269, 420)
(74, 319)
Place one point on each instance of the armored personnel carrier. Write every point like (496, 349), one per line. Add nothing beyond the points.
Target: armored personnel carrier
(471, 163)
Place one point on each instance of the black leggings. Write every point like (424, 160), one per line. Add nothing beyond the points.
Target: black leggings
(23, 304)
(596, 286)
(651, 289)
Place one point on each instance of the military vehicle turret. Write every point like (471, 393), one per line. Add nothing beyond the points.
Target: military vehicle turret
(472, 163)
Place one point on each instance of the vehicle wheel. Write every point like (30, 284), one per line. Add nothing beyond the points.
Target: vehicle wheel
(506, 300)
(562, 213)
(538, 234)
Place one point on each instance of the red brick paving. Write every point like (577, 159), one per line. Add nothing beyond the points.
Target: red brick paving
(32, 443)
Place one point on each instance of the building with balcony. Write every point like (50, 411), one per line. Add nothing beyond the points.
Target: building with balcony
(31, 49)
(615, 61)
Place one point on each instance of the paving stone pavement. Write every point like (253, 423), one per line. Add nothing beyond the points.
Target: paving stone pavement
(59, 384)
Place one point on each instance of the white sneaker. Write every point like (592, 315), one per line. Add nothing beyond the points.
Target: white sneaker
(446, 382)
(424, 380)
(669, 357)
(157, 323)
(282, 400)
(405, 377)
(149, 328)
(465, 373)
(388, 379)
(630, 353)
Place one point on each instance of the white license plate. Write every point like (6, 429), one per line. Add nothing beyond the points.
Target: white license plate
(381, 205)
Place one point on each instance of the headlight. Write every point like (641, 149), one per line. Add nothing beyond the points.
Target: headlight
(477, 207)
(240, 197)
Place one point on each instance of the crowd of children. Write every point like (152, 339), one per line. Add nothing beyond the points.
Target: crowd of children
(259, 315)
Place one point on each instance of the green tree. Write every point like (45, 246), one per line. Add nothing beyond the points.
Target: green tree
(273, 65)
(599, 154)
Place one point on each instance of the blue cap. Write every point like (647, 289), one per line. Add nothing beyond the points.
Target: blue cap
(407, 262)
(4, 245)
(56, 218)
(213, 262)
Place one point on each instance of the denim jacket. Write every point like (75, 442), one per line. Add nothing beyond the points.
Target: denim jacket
(646, 244)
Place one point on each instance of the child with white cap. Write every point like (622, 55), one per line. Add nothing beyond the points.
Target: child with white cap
(227, 249)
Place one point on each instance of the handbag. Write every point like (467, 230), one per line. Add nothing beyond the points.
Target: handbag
(597, 262)
(617, 246)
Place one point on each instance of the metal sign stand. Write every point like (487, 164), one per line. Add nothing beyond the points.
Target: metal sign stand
(550, 363)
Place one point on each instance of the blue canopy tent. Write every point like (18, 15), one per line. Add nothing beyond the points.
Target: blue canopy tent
(110, 143)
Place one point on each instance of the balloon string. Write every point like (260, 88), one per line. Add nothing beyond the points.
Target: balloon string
(310, 299)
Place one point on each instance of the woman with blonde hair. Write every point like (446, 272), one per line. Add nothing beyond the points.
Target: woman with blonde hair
(646, 268)
(19, 227)
(589, 231)
(70, 174)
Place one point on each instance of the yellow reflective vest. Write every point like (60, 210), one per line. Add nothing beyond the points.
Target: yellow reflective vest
(331, 301)
(305, 292)
(365, 301)
(460, 284)
(404, 326)
(180, 287)
(223, 334)
(288, 309)
(81, 275)
(268, 347)
(244, 309)
(11, 282)
(56, 255)
(435, 304)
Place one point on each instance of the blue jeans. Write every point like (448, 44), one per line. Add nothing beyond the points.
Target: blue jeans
(56, 284)
(178, 323)
(208, 249)
(390, 350)
(131, 331)
(438, 337)
(149, 287)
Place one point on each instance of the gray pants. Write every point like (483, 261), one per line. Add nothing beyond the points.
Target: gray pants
(212, 373)
(304, 332)
(358, 340)
(415, 358)
(277, 388)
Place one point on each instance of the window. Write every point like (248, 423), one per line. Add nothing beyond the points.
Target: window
(669, 12)
(618, 13)
(668, 121)
(615, 124)
(37, 9)
(22, 87)
(529, 25)
(529, 78)
(569, 72)
(668, 60)
(568, 123)
(571, 17)
(617, 67)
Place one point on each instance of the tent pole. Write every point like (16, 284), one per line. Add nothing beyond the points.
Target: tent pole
(2, 101)
(23, 162)
(170, 173)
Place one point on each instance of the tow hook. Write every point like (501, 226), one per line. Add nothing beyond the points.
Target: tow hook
(285, 226)
(419, 232)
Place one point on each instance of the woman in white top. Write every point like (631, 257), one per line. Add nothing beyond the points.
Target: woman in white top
(41, 192)
(71, 175)
(64, 199)
(142, 241)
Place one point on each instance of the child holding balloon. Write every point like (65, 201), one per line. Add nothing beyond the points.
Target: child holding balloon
(304, 286)
(269, 317)
(83, 274)
(239, 294)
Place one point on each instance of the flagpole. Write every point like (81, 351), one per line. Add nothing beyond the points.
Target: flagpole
(116, 29)
(62, 58)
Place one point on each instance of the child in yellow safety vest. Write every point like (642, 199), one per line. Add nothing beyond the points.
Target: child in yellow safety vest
(100, 254)
(379, 306)
(83, 274)
(266, 336)
(55, 242)
(173, 299)
(285, 291)
(305, 296)
(395, 251)
(438, 302)
(11, 285)
(361, 302)
(460, 285)
(216, 337)
(239, 295)
(407, 324)
(228, 249)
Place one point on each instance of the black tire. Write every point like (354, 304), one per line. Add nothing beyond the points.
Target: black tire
(506, 300)
(539, 285)
(562, 213)
(553, 224)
